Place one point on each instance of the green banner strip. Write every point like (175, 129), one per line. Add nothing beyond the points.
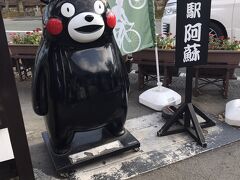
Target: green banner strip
(135, 29)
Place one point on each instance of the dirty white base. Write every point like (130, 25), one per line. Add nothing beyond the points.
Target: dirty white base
(232, 113)
(159, 97)
(155, 152)
(6, 152)
(97, 151)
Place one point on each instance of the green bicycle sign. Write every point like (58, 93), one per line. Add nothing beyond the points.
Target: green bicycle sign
(133, 30)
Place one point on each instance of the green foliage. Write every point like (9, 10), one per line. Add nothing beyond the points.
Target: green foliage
(223, 44)
(168, 42)
(28, 38)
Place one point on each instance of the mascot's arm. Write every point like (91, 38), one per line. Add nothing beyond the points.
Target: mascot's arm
(124, 70)
(39, 89)
(125, 74)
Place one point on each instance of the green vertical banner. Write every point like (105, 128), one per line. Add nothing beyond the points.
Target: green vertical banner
(135, 29)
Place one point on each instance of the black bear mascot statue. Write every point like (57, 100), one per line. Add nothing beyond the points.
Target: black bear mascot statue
(80, 82)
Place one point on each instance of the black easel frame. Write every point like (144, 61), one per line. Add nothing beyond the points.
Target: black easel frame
(192, 32)
(188, 111)
(11, 112)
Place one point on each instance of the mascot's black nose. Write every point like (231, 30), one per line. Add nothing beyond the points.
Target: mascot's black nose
(89, 18)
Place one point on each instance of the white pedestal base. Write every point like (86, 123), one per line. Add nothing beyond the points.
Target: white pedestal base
(159, 97)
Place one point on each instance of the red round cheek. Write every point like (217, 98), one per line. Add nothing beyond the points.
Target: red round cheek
(54, 26)
(111, 20)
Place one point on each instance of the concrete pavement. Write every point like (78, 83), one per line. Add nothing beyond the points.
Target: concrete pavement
(219, 164)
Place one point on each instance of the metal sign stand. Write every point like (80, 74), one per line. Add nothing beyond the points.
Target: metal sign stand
(191, 49)
(11, 115)
(188, 111)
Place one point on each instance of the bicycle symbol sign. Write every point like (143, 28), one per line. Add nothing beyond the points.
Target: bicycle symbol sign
(127, 38)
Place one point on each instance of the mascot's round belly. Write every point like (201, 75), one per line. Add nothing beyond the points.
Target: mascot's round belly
(93, 89)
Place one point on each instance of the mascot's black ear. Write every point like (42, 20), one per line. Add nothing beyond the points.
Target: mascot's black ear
(45, 1)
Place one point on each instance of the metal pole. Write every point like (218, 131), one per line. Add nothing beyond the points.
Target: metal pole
(156, 53)
(188, 94)
(188, 90)
(157, 64)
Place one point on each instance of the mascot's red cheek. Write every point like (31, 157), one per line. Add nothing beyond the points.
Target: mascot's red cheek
(54, 26)
(111, 19)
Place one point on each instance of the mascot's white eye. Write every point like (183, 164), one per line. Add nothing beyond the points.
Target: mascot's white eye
(99, 7)
(67, 10)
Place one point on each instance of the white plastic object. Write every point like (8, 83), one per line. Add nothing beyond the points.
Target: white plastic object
(232, 112)
(159, 97)
(6, 152)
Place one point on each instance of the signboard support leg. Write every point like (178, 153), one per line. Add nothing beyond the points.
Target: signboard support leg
(12, 115)
(186, 116)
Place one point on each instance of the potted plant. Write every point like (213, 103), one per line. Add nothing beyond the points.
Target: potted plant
(25, 43)
(147, 63)
(221, 50)
(223, 56)
(23, 49)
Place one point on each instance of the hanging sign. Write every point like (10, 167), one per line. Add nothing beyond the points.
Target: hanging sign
(192, 32)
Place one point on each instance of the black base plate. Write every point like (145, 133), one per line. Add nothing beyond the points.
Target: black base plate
(84, 141)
